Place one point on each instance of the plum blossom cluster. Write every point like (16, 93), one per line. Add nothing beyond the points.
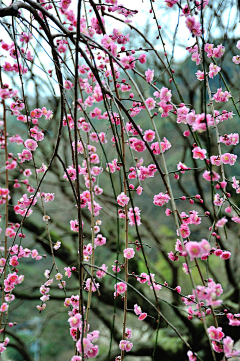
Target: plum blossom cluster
(90, 350)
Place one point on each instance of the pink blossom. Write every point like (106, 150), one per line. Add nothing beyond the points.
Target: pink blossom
(215, 334)
(75, 321)
(142, 316)
(196, 58)
(128, 346)
(217, 200)
(134, 214)
(86, 345)
(172, 256)
(213, 70)
(86, 127)
(182, 113)
(165, 145)
(143, 277)
(96, 208)
(218, 51)
(49, 197)
(128, 333)
(2, 348)
(235, 184)
(101, 272)
(228, 347)
(236, 59)
(205, 246)
(10, 166)
(2, 262)
(68, 85)
(202, 4)
(100, 240)
(211, 176)
(90, 282)
(4, 307)
(122, 199)
(235, 218)
(170, 3)
(199, 153)
(93, 352)
(142, 58)
(193, 26)
(14, 261)
(74, 225)
(234, 320)
(120, 287)
(181, 166)
(168, 212)
(68, 271)
(149, 135)
(191, 356)
(9, 232)
(193, 249)
(185, 268)
(228, 158)
(200, 75)
(161, 199)
(27, 172)
(228, 209)
(62, 48)
(221, 96)
(122, 345)
(25, 155)
(221, 222)
(128, 253)
(150, 103)
(116, 269)
(30, 144)
(36, 113)
(230, 139)
(225, 255)
(190, 22)
(128, 62)
(137, 309)
(215, 160)
(76, 358)
(138, 145)
(184, 230)
(58, 276)
(164, 108)
(149, 75)
(165, 94)
(209, 49)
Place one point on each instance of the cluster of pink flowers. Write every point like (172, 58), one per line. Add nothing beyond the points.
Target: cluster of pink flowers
(214, 52)
(210, 293)
(134, 216)
(138, 312)
(90, 350)
(161, 199)
(221, 96)
(165, 145)
(194, 26)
